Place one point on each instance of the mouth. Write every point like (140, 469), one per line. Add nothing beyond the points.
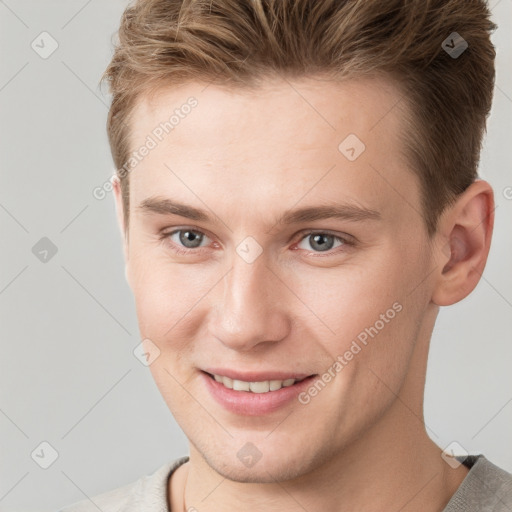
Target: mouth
(255, 386)
(258, 397)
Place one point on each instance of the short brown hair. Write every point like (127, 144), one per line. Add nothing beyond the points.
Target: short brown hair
(240, 42)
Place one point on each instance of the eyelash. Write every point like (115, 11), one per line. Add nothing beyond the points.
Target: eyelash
(346, 241)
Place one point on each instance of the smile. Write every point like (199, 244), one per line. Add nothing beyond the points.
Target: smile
(254, 387)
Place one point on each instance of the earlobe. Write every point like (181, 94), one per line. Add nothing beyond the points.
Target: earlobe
(467, 228)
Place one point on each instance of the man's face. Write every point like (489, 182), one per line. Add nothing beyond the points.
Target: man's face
(249, 287)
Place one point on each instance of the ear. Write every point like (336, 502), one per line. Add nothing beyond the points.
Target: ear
(118, 197)
(466, 231)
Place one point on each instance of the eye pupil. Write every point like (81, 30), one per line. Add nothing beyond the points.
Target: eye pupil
(191, 239)
(321, 242)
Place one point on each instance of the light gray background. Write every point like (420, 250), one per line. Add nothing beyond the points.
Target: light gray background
(68, 327)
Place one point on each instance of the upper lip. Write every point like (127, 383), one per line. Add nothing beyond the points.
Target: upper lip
(256, 376)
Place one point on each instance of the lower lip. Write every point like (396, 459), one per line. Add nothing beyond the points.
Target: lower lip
(254, 404)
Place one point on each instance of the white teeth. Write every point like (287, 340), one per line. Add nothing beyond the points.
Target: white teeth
(259, 387)
(255, 387)
(240, 385)
(275, 385)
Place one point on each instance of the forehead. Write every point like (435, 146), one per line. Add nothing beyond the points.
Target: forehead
(321, 107)
(277, 141)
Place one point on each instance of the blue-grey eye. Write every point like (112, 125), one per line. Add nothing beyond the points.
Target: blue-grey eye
(188, 238)
(320, 242)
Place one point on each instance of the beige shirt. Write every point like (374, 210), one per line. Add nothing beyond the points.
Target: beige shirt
(486, 488)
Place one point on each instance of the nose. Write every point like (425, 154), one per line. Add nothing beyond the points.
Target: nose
(252, 310)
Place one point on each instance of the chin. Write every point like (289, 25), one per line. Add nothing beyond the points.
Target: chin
(277, 466)
(259, 474)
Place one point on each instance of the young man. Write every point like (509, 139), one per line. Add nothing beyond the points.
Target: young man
(297, 192)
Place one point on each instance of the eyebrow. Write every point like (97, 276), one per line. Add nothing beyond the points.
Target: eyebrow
(167, 207)
(347, 212)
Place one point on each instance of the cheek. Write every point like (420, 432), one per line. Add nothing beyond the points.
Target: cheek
(165, 293)
(170, 314)
(366, 312)
(345, 300)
